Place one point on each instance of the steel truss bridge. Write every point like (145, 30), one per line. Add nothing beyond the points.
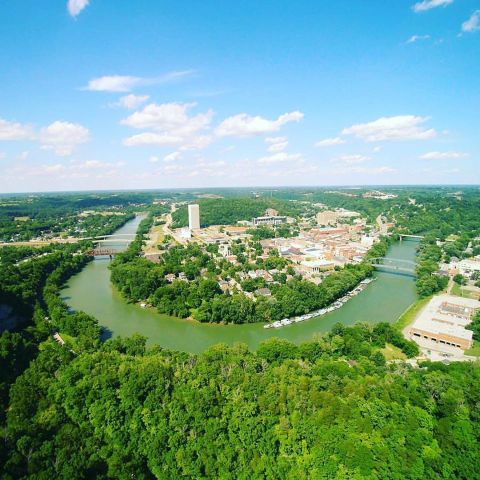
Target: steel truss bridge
(393, 264)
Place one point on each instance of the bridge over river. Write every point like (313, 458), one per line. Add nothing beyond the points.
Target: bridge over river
(110, 245)
(390, 264)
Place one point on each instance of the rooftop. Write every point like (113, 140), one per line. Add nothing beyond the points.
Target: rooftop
(448, 315)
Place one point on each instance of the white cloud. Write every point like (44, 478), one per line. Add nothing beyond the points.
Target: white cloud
(276, 144)
(397, 128)
(74, 7)
(161, 140)
(380, 170)
(417, 38)
(23, 156)
(113, 83)
(473, 23)
(172, 117)
(37, 170)
(280, 157)
(2, 155)
(74, 170)
(126, 83)
(171, 125)
(209, 169)
(172, 157)
(14, 131)
(63, 137)
(351, 159)
(154, 159)
(172, 169)
(429, 4)
(294, 172)
(131, 101)
(376, 149)
(443, 155)
(329, 142)
(94, 165)
(366, 170)
(244, 125)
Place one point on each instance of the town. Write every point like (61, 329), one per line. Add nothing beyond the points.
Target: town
(309, 248)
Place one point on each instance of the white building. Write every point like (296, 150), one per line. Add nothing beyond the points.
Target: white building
(468, 266)
(316, 266)
(193, 216)
(185, 233)
(224, 250)
(441, 324)
(274, 220)
(367, 241)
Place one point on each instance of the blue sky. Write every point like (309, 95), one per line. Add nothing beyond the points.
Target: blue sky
(162, 94)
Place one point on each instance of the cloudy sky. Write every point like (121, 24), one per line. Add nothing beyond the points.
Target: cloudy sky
(106, 94)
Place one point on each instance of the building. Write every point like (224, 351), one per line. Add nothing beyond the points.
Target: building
(441, 324)
(185, 234)
(270, 220)
(367, 241)
(343, 213)
(328, 217)
(468, 266)
(313, 267)
(379, 195)
(193, 216)
(224, 250)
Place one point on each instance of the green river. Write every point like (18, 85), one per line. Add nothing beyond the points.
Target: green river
(91, 291)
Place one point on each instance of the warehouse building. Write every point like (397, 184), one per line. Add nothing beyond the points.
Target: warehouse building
(441, 324)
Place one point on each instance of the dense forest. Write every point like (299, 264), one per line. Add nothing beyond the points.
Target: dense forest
(43, 216)
(230, 211)
(330, 408)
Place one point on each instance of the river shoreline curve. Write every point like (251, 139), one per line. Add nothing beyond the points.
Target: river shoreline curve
(91, 291)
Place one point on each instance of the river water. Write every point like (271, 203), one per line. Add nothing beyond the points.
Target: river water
(91, 291)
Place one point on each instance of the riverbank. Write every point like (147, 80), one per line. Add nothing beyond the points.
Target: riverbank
(411, 313)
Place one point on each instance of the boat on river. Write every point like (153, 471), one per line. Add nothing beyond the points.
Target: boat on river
(318, 313)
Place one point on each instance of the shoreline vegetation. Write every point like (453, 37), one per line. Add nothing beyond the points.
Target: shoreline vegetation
(141, 281)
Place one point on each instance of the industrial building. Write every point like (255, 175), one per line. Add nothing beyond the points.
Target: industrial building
(193, 217)
(441, 324)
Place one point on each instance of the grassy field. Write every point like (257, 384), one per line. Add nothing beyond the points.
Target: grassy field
(463, 292)
(390, 352)
(155, 237)
(475, 350)
(409, 315)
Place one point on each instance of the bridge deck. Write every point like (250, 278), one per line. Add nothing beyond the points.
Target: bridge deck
(395, 264)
